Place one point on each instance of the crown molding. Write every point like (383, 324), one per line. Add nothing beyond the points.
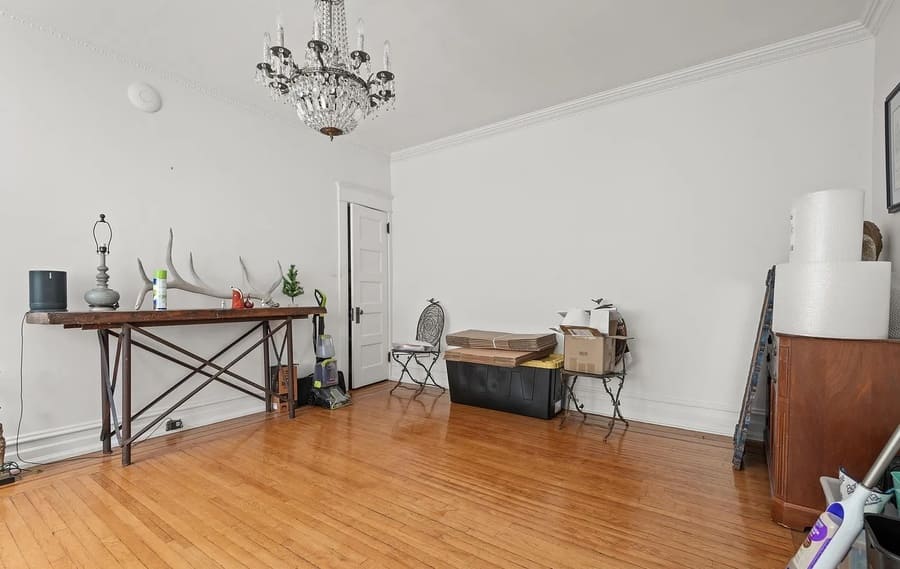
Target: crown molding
(165, 75)
(875, 14)
(772, 53)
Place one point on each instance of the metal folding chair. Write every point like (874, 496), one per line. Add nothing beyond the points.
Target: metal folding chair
(430, 329)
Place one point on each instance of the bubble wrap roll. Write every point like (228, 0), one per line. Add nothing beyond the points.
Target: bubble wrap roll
(827, 226)
(833, 300)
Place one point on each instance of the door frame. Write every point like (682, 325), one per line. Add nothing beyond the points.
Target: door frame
(347, 193)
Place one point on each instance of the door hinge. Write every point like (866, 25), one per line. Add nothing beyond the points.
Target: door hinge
(389, 227)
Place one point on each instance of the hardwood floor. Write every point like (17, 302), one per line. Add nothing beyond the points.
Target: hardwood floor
(395, 482)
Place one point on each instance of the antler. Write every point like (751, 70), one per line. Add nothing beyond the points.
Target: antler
(177, 282)
(251, 289)
(148, 286)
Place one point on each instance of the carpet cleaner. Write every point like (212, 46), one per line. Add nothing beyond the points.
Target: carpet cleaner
(834, 532)
(328, 388)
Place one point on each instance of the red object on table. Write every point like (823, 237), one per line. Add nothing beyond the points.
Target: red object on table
(237, 299)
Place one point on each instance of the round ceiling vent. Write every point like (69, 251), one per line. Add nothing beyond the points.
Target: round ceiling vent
(144, 97)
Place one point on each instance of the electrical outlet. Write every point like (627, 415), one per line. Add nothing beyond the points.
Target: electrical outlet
(174, 424)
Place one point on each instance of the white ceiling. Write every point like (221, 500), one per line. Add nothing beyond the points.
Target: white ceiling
(460, 64)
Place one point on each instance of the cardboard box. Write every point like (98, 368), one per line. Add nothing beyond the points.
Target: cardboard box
(278, 377)
(589, 354)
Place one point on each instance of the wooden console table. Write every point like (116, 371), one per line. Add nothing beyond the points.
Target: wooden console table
(124, 324)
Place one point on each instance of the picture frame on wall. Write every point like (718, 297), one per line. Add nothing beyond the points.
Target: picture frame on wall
(892, 148)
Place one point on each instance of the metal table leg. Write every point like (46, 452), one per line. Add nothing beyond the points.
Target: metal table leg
(428, 368)
(292, 398)
(569, 394)
(566, 400)
(615, 403)
(103, 337)
(404, 370)
(126, 394)
(267, 380)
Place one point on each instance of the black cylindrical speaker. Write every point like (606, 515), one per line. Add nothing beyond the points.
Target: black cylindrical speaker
(47, 291)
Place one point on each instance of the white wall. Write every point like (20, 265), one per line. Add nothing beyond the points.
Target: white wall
(672, 204)
(229, 181)
(887, 75)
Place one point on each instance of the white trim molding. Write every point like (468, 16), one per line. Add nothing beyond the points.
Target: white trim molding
(700, 416)
(347, 193)
(825, 39)
(74, 440)
(876, 12)
(364, 195)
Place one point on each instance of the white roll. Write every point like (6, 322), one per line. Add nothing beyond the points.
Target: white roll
(605, 320)
(576, 317)
(833, 300)
(827, 226)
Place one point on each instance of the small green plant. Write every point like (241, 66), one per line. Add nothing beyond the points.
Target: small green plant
(290, 285)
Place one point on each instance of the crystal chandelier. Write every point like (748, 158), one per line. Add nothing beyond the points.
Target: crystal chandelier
(335, 88)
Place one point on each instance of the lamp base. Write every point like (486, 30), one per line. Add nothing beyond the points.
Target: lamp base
(102, 299)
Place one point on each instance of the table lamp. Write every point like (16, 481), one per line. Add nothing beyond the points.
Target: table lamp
(102, 298)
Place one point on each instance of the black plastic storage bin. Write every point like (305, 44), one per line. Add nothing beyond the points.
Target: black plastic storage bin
(883, 539)
(532, 391)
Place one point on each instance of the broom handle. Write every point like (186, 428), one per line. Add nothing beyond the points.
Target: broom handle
(890, 450)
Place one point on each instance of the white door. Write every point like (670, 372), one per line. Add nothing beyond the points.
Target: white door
(369, 295)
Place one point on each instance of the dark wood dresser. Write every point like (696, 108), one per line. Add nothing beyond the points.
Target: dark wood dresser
(832, 403)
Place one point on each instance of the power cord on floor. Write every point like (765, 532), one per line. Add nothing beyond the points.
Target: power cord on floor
(15, 465)
(22, 409)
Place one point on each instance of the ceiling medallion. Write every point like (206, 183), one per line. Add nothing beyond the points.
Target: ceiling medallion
(335, 89)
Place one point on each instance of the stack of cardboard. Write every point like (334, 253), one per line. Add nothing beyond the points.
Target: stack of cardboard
(498, 348)
(501, 340)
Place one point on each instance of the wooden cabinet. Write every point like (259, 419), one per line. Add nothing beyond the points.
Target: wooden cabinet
(832, 403)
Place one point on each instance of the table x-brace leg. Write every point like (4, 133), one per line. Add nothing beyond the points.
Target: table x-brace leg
(122, 431)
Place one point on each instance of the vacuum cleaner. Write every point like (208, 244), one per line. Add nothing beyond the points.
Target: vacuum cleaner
(833, 534)
(328, 389)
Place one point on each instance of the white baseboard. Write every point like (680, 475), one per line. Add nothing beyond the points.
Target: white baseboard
(74, 440)
(702, 416)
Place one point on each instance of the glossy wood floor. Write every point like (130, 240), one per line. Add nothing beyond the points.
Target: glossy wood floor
(395, 482)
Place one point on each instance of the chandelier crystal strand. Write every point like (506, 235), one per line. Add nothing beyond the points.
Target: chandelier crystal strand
(336, 88)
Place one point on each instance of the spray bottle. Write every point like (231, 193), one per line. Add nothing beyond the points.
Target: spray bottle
(836, 529)
(160, 290)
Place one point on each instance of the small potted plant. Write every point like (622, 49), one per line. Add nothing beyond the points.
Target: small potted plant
(290, 285)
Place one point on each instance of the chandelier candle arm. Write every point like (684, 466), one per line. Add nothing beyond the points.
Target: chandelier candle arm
(327, 89)
(279, 32)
